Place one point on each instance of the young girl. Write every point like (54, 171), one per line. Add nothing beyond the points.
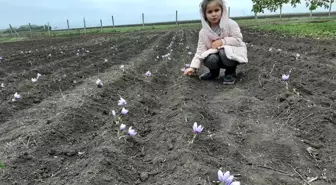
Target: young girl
(220, 43)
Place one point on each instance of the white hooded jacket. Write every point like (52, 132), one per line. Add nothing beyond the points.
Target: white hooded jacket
(235, 48)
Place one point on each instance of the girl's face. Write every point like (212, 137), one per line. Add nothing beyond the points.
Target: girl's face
(213, 13)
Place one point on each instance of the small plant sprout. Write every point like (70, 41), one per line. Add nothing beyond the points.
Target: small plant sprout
(124, 111)
(34, 80)
(285, 78)
(226, 178)
(197, 129)
(16, 97)
(148, 73)
(38, 75)
(116, 118)
(99, 83)
(122, 102)
(2, 166)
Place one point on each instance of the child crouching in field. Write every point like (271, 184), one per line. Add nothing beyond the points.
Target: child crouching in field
(220, 43)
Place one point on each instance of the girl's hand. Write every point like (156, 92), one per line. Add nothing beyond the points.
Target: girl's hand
(216, 44)
(189, 71)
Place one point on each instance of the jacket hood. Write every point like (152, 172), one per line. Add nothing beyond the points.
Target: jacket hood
(224, 19)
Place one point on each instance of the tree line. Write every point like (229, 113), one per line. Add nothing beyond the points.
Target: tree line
(27, 28)
(273, 5)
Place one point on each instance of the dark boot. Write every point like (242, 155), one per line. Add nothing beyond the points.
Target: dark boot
(212, 74)
(230, 75)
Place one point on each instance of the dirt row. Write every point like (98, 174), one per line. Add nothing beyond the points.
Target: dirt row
(61, 131)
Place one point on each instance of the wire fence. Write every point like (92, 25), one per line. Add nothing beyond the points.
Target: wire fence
(88, 26)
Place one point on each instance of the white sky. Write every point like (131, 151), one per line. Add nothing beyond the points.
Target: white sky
(40, 12)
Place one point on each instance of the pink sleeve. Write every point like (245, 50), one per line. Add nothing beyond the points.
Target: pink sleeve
(201, 48)
(235, 36)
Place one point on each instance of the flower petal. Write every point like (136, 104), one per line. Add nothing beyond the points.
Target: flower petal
(229, 180)
(195, 127)
(221, 176)
(226, 175)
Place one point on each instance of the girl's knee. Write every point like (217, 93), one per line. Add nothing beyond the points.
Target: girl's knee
(222, 52)
(226, 62)
(212, 61)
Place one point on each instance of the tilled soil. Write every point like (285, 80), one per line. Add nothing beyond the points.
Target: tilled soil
(61, 131)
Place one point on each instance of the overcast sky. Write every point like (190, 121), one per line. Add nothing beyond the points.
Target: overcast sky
(40, 12)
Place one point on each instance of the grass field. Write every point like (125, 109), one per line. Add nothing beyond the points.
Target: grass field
(319, 27)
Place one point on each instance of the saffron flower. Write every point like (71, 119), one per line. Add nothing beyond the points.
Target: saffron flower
(34, 80)
(99, 83)
(122, 127)
(124, 111)
(121, 102)
(148, 73)
(131, 132)
(114, 113)
(285, 77)
(122, 67)
(16, 97)
(226, 178)
(197, 129)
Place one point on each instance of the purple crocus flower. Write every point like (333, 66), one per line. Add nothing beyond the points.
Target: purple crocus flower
(124, 111)
(197, 129)
(0, 57)
(99, 83)
(285, 77)
(122, 127)
(148, 73)
(229, 180)
(226, 178)
(187, 65)
(131, 132)
(121, 102)
(223, 177)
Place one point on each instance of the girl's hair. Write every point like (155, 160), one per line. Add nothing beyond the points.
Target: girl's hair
(205, 3)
